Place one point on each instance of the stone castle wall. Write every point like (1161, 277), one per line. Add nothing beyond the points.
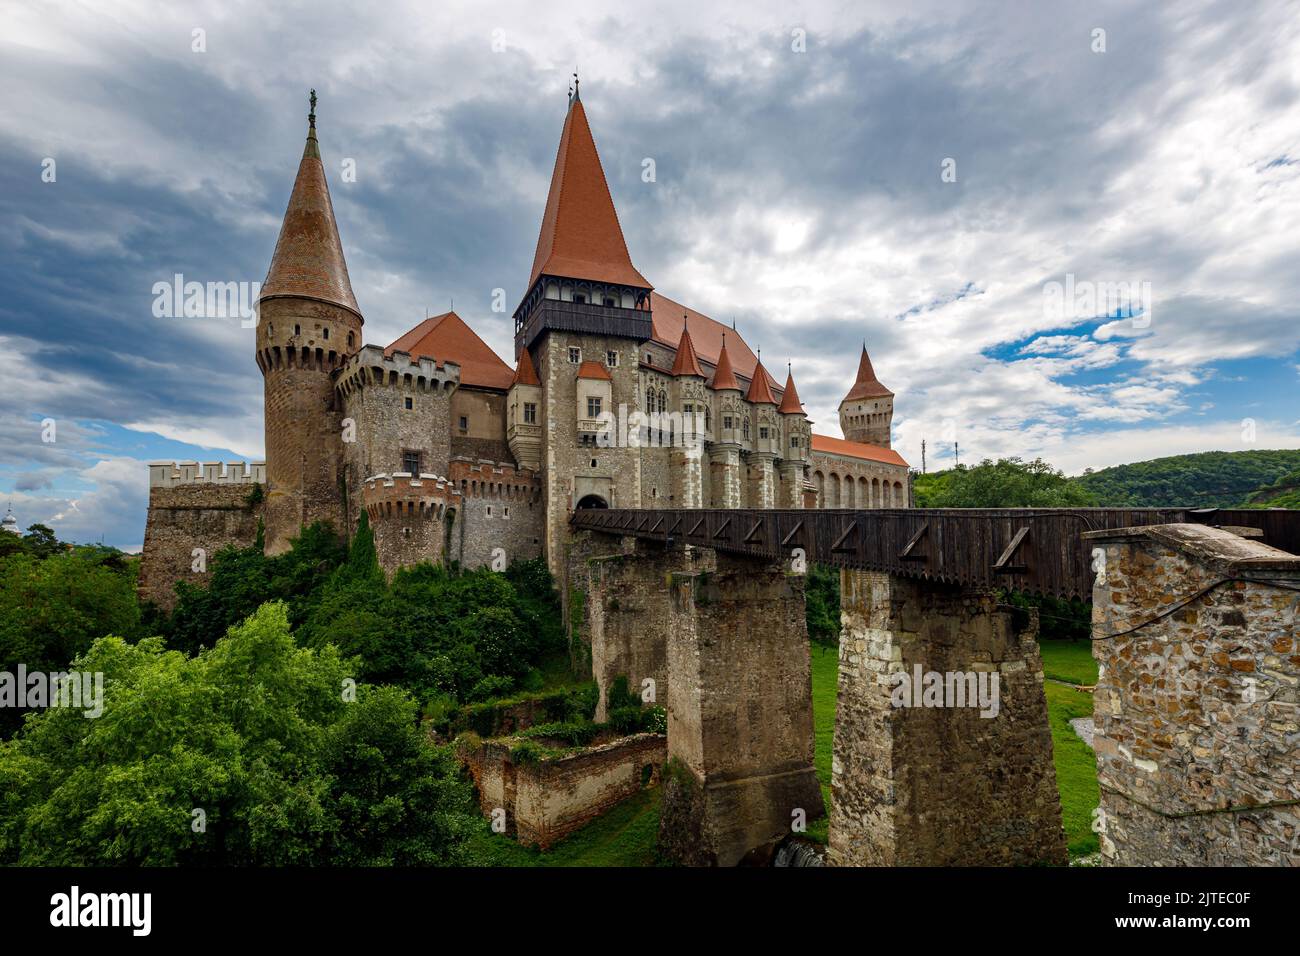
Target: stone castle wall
(1197, 706)
(194, 506)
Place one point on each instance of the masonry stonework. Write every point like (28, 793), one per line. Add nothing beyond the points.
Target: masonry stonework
(939, 785)
(1197, 707)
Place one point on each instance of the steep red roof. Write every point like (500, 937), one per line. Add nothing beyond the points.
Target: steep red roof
(308, 258)
(790, 404)
(580, 236)
(686, 362)
(446, 338)
(856, 449)
(723, 376)
(759, 391)
(706, 334)
(526, 374)
(591, 369)
(866, 385)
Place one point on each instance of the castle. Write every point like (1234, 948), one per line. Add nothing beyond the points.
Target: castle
(619, 397)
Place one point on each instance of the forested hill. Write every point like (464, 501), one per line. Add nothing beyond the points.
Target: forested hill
(1212, 479)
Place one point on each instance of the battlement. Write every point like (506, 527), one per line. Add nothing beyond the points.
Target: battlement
(370, 366)
(484, 478)
(168, 474)
(404, 494)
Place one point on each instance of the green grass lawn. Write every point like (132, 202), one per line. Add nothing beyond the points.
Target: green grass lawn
(825, 674)
(1076, 766)
(1070, 661)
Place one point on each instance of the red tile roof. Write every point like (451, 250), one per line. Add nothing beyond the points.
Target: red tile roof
(790, 404)
(723, 376)
(866, 385)
(856, 449)
(759, 391)
(446, 338)
(594, 370)
(308, 259)
(526, 374)
(706, 334)
(580, 236)
(686, 362)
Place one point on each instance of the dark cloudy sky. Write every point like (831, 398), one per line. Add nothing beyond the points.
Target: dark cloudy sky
(800, 191)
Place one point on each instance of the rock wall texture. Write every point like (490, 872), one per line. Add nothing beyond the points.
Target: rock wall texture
(1197, 707)
(939, 785)
(740, 723)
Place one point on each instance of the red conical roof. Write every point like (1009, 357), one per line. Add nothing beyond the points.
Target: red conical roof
(760, 393)
(308, 259)
(723, 376)
(581, 237)
(687, 363)
(525, 374)
(866, 385)
(790, 404)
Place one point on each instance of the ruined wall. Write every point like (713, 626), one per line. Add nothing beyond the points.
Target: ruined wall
(740, 723)
(939, 785)
(194, 506)
(1197, 706)
(501, 507)
(547, 800)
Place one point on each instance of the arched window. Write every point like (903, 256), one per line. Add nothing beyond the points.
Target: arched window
(649, 399)
(663, 400)
(746, 429)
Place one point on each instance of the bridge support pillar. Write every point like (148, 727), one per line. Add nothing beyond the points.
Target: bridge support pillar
(1197, 706)
(627, 614)
(740, 724)
(943, 753)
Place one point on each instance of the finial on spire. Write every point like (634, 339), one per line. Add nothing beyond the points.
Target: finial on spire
(684, 321)
(311, 117)
(575, 85)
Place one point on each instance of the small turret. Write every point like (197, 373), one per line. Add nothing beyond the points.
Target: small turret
(867, 411)
(524, 404)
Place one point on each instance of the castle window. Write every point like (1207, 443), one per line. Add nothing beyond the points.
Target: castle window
(649, 359)
(489, 511)
(688, 408)
(575, 355)
(464, 424)
(326, 334)
(506, 512)
(593, 463)
(580, 298)
(593, 407)
(270, 330)
(794, 441)
(411, 462)
(610, 302)
(726, 421)
(663, 400)
(350, 340)
(611, 359)
(530, 413)
(762, 431)
(297, 330)
(746, 429)
(649, 399)
(410, 402)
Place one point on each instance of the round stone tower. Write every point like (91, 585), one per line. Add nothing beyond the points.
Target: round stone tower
(308, 327)
(867, 411)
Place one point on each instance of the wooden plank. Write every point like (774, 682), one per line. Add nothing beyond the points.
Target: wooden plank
(1003, 565)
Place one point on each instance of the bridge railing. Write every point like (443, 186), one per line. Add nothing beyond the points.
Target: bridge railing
(1039, 550)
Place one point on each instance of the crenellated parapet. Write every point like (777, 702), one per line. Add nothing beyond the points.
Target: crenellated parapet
(404, 495)
(168, 474)
(371, 366)
(492, 479)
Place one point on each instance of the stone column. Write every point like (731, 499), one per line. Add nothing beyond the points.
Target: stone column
(627, 614)
(724, 460)
(688, 478)
(1197, 706)
(791, 484)
(943, 754)
(740, 724)
(763, 480)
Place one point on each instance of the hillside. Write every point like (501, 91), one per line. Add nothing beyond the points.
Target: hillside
(1283, 493)
(1212, 479)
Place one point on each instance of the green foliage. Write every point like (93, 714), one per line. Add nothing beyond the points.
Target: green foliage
(1005, 483)
(574, 733)
(1212, 479)
(256, 734)
(53, 608)
(822, 605)
(1282, 493)
(1058, 618)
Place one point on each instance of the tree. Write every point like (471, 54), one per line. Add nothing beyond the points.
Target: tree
(248, 753)
(1006, 483)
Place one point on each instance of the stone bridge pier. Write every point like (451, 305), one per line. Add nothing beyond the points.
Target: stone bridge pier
(725, 642)
(1197, 706)
(943, 753)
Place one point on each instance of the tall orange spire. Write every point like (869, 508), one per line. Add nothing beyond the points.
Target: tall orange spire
(760, 392)
(687, 362)
(866, 384)
(790, 404)
(723, 376)
(581, 237)
(308, 259)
